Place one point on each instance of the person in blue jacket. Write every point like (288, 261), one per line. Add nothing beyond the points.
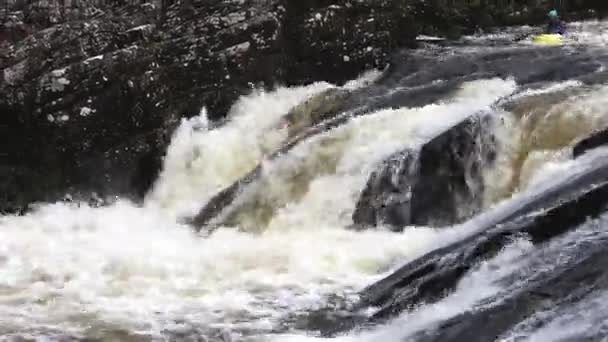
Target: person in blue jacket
(555, 25)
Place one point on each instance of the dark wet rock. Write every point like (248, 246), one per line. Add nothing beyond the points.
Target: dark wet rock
(74, 93)
(127, 170)
(564, 287)
(439, 185)
(79, 87)
(434, 285)
(417, 78)
(595, 140)
(18, 188)
(540, 218)
(527, 65)
(387, 196)
(313, 111)
(564, 280)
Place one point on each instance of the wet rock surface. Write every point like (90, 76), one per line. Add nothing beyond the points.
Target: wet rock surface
(89, 104)
(595, 140)
(567, 286)
(439, 185)
(540, 219)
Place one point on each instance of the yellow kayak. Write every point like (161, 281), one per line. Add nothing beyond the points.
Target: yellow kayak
(547, 38)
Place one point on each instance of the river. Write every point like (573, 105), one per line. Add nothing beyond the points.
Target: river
(138, 272)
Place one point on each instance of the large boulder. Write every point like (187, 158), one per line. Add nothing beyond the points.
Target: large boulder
(440, 184)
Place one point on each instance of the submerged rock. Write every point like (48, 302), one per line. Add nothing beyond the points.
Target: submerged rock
(439, 185)
(223, 200)
(315, 110)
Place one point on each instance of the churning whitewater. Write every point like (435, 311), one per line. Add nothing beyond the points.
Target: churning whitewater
(284, 249)
(81, 270)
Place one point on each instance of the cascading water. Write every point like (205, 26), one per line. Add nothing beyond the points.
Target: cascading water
(283, 247)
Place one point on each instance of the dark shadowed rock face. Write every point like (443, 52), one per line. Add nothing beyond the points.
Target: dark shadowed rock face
(595, 140)
(450, 185)
(439, 185)
(102, 80)
(387, 196)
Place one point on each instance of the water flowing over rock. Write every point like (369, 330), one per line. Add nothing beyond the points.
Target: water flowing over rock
(539, 218)
(408, 84)
(439, 185)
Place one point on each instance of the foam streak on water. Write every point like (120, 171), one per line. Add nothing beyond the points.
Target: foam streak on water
(586, 320)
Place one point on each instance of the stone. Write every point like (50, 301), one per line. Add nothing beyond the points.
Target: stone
(439, 185)
(595, 140)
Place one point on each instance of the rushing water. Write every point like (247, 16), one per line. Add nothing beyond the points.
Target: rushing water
(134, 272)
(494, 281)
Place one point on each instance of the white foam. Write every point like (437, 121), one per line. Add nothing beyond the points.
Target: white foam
(202, 161)
(551, 88)
(480, 284)
(71, 268)
(366, 78)
(536, 144)
(589, 32)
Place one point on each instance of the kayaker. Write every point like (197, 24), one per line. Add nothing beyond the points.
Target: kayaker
(556, 25)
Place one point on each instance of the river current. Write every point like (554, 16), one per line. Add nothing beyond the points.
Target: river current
(137, 272)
